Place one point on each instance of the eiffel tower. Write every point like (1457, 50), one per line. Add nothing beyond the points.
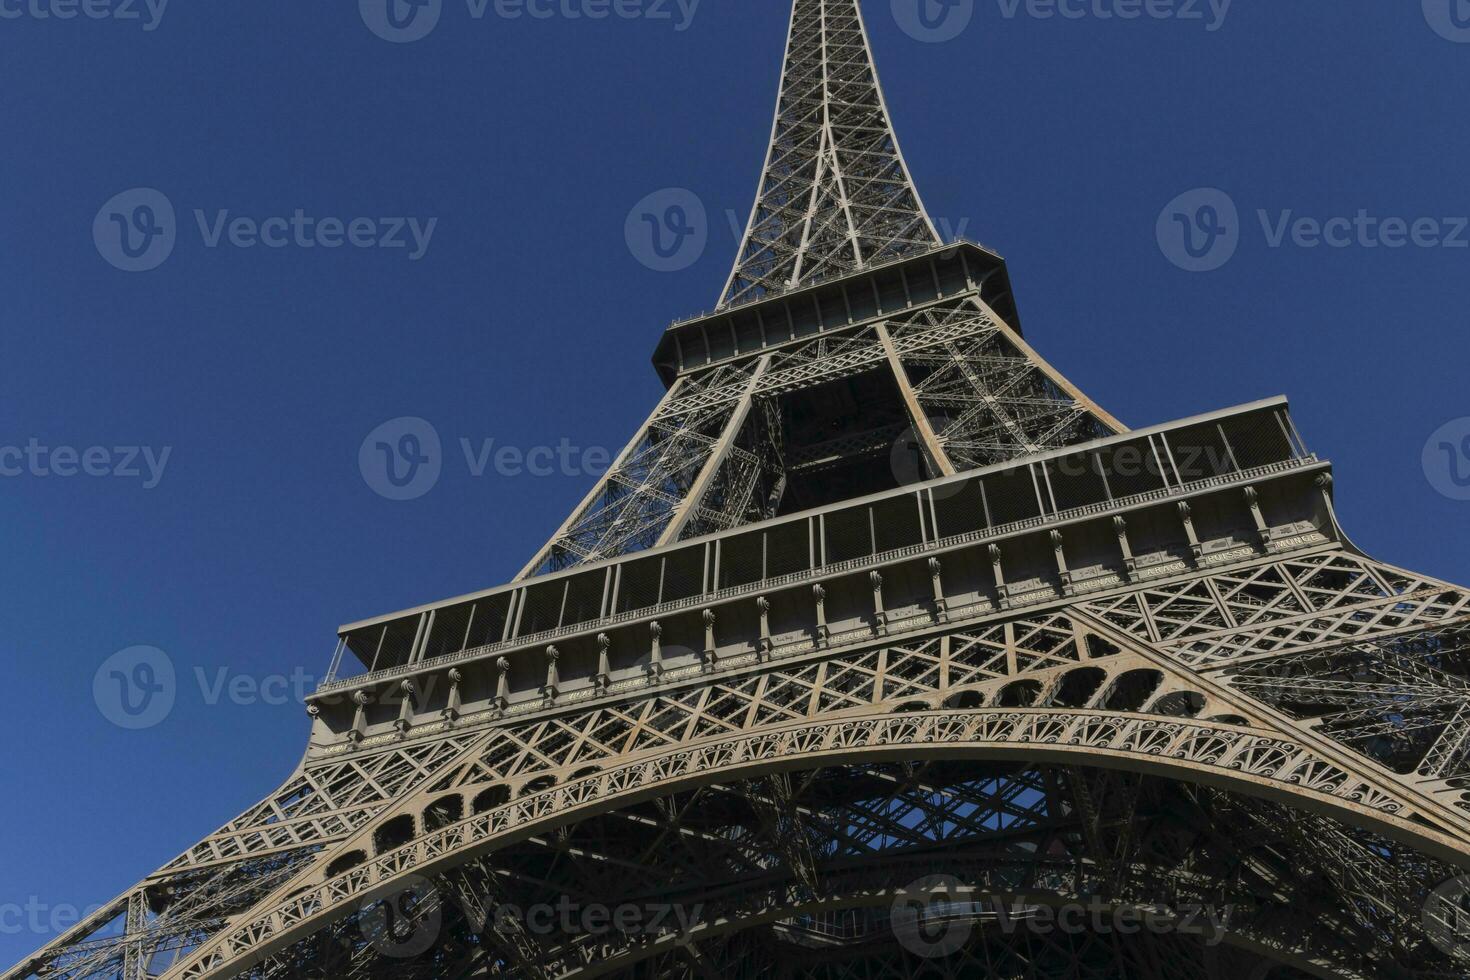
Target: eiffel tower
(879, 650)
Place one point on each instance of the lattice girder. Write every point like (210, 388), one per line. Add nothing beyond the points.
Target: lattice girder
(861, 836)
(1045, 650)
(835, 193)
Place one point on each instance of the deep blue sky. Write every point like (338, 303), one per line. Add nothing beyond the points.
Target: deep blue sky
(529, 320)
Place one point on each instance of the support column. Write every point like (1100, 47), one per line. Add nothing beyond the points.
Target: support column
(917, 418)
(880, 615)
(717, 457)
(763, 652)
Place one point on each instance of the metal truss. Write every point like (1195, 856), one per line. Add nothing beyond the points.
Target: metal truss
(1082, 690)
(712, 457)
(835, 193)
(816, 887)
(1138, 696)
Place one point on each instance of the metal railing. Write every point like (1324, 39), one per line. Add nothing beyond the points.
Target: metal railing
(813, 575)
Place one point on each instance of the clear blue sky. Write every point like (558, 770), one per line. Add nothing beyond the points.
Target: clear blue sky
(529, 320)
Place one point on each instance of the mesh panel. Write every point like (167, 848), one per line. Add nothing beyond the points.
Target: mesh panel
(740, 560)
(897, 523)
(958, 508)
(489, 623)
(1075, 481)
(1199, 452)
(1131, 468)
(684, 574)
(398, 637)
(584, 598)
(543, 607)
(1012, 496)
(363, 643)
(448, 634)
(848, 534)
(639, 586)
(1257, 439)
(789, 549)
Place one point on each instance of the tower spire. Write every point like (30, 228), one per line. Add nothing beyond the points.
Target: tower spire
(835, 194)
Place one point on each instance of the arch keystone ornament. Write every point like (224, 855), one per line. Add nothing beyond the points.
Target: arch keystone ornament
(881, 651)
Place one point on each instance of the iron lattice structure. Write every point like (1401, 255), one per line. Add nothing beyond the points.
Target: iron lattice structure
(878, 645)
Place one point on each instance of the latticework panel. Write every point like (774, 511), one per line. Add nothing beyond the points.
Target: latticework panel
(835, 194)
(633, 504)
(819, 868)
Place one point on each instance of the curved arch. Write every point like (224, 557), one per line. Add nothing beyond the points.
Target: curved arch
(1019, 694)
(393, 834)
(1180, 704)
(443, 811)
(491, 797)
(1229, 757)
(1131, 690)
(538, 785)
(344, 863)
(1077, 687)
(966, 700)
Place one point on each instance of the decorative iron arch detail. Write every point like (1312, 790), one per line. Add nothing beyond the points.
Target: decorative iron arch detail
(1214, 754)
